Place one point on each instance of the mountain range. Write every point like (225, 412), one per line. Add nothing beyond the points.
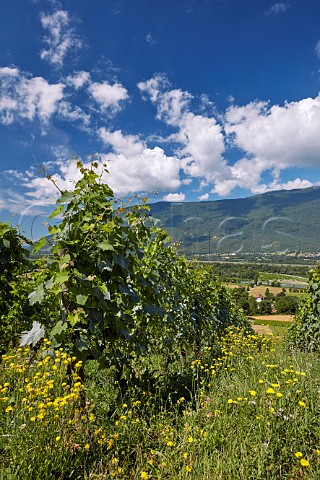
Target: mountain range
(276, 221)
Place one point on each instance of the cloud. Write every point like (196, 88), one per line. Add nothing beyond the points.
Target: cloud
(61, 38)
(277, 8)
(9, 72)
(317, 48)
(134, 167)
(174, 197)
(128, 145)
(203, 197)
(199, 137)
(27, 98)
(78, 79)
(108, 97)
(141, 170)
(278, 136)
(73, 113)
(272, 138)
(290, 185)
(44, 192)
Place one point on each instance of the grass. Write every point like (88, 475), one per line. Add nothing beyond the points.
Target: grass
(278, 328)
(246, 408)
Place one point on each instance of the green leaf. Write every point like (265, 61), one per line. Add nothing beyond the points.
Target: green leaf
(58, 334)
(36, 296)
(40, 244)
(59, 327)
(74, 318)
(49, 283)
(82, 344)
(56, 211)
(66, 197)
(81, 299)
(105, 245)
(62, 277)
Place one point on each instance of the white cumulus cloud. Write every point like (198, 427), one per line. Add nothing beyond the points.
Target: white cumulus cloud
(108, 97)
(203, 197)
(22, 97)
(174, 197)
(134, 167)
(200, 138)
(278, 136)
(78, 79)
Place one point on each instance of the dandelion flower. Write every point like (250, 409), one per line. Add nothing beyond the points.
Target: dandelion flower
(298, 454)
(188, 468)
(304, 462)
(144, 475)
(87, 446)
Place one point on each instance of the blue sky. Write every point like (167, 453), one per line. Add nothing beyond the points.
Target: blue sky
(195, 99)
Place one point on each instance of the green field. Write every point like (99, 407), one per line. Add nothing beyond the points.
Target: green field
(293, 280)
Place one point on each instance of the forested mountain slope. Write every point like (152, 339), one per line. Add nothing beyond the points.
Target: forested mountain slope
(270, 222)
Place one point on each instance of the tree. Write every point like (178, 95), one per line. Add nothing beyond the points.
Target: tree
(265, 307)
(287, 304)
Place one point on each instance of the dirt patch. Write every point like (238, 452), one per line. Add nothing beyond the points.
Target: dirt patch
(275, 318)
(262, 329)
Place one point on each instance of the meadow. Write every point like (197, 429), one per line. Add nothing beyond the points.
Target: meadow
(246, 408)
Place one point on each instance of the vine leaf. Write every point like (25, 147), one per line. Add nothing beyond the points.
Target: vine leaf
(56, 211)
(37, 295)
(40, 244)
(105, 245)
(33, 336)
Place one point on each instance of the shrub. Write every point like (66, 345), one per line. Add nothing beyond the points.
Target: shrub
(304, 333)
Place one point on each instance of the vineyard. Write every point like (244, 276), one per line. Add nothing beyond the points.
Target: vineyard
(122, 359)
